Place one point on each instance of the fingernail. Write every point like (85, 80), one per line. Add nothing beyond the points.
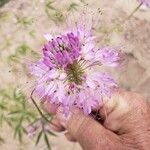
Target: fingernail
(63, 116)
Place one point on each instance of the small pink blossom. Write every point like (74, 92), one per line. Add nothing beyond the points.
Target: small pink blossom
(33, 128)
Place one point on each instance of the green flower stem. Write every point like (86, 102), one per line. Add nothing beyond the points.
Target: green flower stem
(133, 12)
(40, 112)
(37, 107)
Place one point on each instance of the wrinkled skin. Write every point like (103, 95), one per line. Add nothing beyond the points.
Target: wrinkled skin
(126, 124)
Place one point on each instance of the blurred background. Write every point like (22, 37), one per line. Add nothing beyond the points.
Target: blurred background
(22, 25)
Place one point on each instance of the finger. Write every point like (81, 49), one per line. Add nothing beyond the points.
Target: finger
(69, 137)
(114, 109)
(50, 108)
(88, 132)
(123, 111)
(110, 104)
(56, 126)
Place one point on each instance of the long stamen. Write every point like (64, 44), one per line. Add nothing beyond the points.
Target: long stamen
(83, 63)
(91, 65)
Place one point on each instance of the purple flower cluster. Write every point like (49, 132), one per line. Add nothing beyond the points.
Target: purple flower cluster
(62, 51)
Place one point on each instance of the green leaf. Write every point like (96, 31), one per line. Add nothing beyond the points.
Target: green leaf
(35, 54)
(18, 95)
(4, 15)
(2, 140)
(31, 114)
(15, 112)
(47, 142)
(59, 16)
(18, 127)
(53, 13)
(3, 2)
(13, 58)
(73, 6)
(24, 130)
(48, 5)
(19, 114)
(20, 135)
(1, 119)
(4, 94)
(51, 133)
(32, 33)
(2, 106)
(39, 137)
(83, 1)
(8, 122)
(24, 21)
(23, 49)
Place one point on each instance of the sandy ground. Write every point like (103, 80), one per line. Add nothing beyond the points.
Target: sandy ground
(134, 39)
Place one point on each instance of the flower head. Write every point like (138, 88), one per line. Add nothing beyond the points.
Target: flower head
(66, 73)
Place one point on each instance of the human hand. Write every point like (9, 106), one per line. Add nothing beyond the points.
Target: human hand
(126, 124)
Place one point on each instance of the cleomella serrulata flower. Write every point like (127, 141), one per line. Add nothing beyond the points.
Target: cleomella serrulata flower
(66, 74)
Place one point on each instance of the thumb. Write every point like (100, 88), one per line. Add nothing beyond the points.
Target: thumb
(88, 132)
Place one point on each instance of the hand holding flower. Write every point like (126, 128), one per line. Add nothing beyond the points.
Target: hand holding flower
(125, 124)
